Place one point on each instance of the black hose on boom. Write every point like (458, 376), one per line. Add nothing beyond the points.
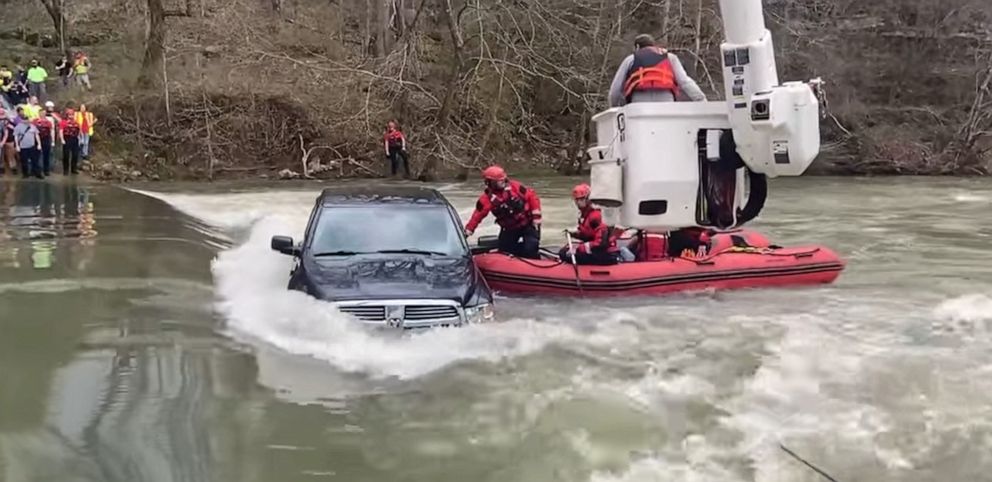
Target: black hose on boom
(730, 159)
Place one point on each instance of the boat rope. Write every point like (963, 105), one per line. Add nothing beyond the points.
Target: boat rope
(749, 250)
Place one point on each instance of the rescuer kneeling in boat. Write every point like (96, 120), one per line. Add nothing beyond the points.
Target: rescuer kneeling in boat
(517, 210)
(598, 244)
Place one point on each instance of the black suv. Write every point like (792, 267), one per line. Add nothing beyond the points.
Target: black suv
(392, 256)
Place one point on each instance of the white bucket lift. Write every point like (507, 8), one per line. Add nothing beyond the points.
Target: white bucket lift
(660, 166)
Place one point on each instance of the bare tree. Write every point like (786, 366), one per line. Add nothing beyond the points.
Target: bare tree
(153, 62)
(56, 10)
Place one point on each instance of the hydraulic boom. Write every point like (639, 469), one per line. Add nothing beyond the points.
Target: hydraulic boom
(671, 165)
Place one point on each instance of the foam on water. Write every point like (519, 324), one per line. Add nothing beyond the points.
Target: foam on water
(665, 469)
(241, 210)
(971, 198)
(251, 287)
(967, 308)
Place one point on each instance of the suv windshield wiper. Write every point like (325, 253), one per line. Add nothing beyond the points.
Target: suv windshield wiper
(339, 253)
(410, 251)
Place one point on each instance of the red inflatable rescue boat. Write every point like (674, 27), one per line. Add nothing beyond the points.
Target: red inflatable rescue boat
(738, 259)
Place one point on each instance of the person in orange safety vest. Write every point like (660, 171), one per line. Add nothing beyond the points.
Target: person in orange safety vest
(651, 74)
(517, 210)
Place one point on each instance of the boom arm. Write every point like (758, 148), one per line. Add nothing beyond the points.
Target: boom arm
(666, 165)
(776, 127)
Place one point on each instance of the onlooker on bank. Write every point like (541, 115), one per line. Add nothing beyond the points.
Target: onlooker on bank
(64, 68)
(27, 143)
(37, 76)
(69, 135)
(8, 153)
(86, 120)
(81, 69)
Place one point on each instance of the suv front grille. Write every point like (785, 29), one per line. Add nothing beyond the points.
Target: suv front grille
(365, 313)
(404, 313)
(427, 312)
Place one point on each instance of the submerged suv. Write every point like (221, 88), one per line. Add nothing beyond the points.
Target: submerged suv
(392, 256)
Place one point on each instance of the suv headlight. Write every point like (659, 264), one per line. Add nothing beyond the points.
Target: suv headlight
(480, 313)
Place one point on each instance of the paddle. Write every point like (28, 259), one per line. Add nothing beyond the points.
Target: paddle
(575, 266)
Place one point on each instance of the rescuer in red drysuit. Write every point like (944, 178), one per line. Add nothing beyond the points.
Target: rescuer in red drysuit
(598, 242)
(517, 210)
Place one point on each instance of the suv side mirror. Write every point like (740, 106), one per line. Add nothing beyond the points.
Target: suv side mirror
(284, 245)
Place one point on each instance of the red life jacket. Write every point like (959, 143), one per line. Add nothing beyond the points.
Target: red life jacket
(394, 138)
(510, 206)
(651, 71)
(598, 237)
(515, 207)
(70, 128)
(45, 127)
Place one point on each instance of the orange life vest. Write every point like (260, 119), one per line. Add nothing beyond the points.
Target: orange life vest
(651, 71)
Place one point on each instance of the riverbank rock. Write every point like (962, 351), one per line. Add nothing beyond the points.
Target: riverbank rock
(287, 174)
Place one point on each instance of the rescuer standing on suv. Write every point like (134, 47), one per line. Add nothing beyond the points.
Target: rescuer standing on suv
(517, 210)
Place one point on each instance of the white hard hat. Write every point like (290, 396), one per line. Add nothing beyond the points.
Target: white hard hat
(50, 104)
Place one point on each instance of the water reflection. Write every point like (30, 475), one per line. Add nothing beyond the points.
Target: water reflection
(42, 213)
(109, 366)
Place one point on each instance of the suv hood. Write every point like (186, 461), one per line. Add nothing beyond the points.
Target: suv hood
(414, 277)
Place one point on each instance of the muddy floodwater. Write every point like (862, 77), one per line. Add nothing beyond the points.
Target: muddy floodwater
(146, 335)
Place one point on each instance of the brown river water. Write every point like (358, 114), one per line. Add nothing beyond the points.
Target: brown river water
(146, 335)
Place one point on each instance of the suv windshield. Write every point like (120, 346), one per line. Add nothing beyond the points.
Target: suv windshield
(344, 230)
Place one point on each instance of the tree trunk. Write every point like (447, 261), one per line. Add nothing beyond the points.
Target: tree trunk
(376, 21)
(447, 105)
(151, 66)
(573, 164)
(664, 23)
(699, 34)
(56, 11)
(385, 10)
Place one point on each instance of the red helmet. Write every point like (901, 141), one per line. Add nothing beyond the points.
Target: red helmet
(494, 173)
(582, 191)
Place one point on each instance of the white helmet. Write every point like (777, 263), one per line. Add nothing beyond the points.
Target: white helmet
(50, 105)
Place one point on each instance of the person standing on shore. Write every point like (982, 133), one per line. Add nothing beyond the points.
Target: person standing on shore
(395, 144)
(64, 69)
(8, 153)
(37, 76)
(31, 110)
(6, 83)
(27, 143)
(46, 126)
(86, 120)
(69, 135)
(81, 68)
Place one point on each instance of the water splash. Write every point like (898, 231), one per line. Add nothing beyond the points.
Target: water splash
(968, 308)
(251, 288)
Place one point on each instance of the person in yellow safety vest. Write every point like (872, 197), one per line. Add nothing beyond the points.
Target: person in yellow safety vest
(85, 119)
(31, 110)
(81, 69)
(6, 79)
